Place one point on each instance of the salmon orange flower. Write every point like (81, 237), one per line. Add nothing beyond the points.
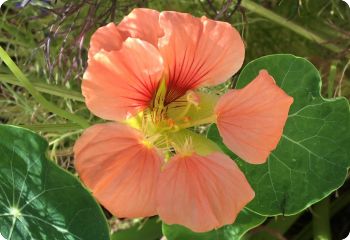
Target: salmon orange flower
(144, 75)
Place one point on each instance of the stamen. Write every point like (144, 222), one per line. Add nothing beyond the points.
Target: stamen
(207, 120)
(187, 149)
(158, 108)
(193, 98)
(184, 105)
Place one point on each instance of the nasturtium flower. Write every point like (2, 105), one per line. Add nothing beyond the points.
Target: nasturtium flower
(145, 75)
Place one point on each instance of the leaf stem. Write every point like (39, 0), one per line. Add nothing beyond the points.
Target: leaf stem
(256, 8)
(320, 220)
(331, 78)
(56, 127)
(41, 99)
(282, 224)
(276, 226)
(336, 206)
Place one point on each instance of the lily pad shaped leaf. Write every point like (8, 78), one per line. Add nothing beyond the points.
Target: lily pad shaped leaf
(38, 200)
(313, 155)
(245, 221)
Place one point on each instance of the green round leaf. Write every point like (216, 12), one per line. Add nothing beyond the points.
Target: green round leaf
(313, 155)
(246, 220)
(39, 200)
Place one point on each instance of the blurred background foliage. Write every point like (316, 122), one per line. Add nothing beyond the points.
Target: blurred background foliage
(49, 41)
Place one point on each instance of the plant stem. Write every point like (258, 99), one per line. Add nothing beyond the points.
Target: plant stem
(278, 225)
(331, 78)
(256, 8)
(337, 205)
(320, 220)
(282, 224)
(45, 88)
(56, 127)
(31, 89)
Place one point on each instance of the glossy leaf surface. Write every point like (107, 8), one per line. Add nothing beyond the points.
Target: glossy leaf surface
(39, 200)
(313, 155)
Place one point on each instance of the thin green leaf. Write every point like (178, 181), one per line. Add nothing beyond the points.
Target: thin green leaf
(28, 85)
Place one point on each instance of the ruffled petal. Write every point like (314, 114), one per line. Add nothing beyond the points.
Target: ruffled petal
(251, 120)
(121, 83)
(107, 38)
(198, 52)
(202, 192)
(121, 171)
(142, 23)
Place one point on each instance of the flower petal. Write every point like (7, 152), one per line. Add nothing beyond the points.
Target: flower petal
(121, 171)
(108, 38)
(198, 51)
(142, 23)
(120, 83)
(251, 120)
(202, 192)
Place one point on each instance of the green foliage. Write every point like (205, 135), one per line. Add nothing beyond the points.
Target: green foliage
(150, 229)
(313, 155)
(245, 220)
(38, 200)
(49, 43)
